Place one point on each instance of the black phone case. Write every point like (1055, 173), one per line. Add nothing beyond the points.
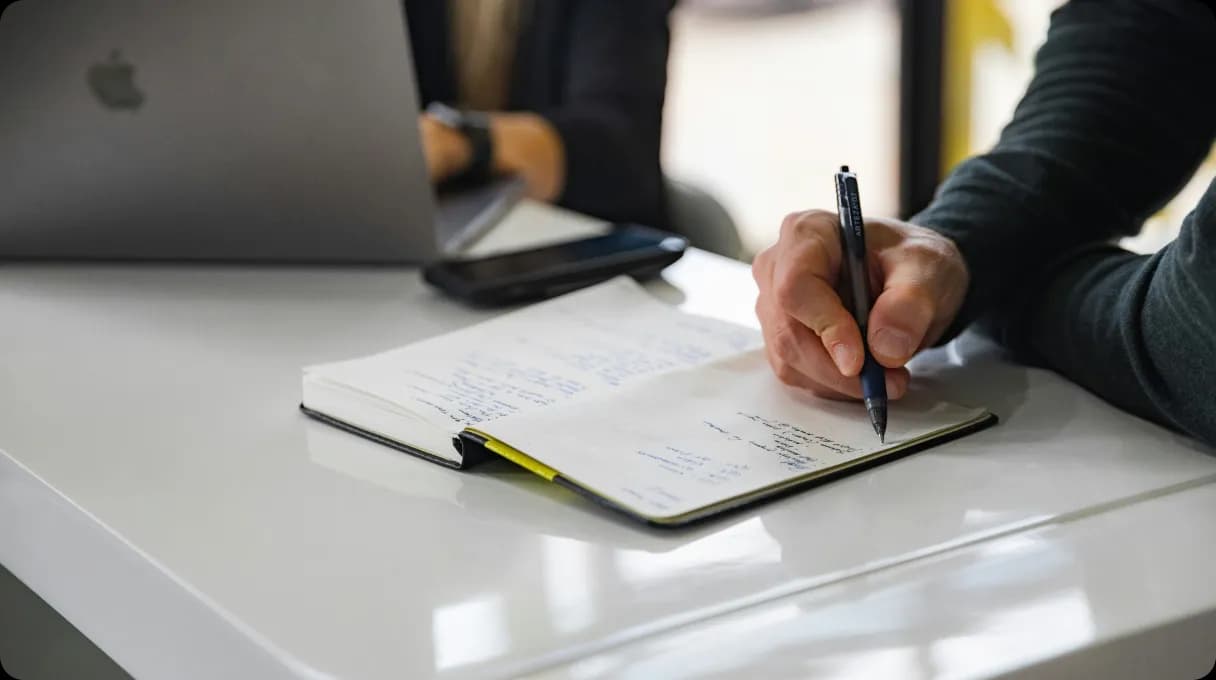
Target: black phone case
(641, 263)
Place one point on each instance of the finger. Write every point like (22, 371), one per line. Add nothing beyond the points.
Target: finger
(802, 289)
(792, 377)
(782, 341)
(801, 353)
(899, 322)
(832, 386)
(901, 317)
(798, 360)
(762, 269)
(787, 343)
(813, 303)
(796, 356)
(897, 382)
(785, 371)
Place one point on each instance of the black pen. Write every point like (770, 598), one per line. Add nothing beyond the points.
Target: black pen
(857, 278)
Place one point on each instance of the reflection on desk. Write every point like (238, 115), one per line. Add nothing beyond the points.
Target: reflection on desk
(148, 419)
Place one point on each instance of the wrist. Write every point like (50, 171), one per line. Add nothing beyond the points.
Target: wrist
(956, 256)
(962, 299)
(470, 149)
(455, 151)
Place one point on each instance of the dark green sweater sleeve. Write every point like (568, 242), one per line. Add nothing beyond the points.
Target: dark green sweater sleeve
(1120, 112)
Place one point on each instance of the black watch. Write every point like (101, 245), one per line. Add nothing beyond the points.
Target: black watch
(475, 127)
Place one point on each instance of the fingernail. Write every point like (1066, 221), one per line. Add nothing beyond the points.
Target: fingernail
(891, 343)
(843, 356)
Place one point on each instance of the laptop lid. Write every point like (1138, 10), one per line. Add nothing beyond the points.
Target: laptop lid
(276, 130)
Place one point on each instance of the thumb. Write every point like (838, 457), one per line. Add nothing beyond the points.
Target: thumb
(899, 321)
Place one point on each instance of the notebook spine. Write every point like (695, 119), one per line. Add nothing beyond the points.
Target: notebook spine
(472, 448)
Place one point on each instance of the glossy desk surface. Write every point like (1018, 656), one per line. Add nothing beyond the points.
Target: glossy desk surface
(160, 489)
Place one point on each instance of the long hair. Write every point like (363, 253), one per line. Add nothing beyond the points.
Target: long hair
(484, 37)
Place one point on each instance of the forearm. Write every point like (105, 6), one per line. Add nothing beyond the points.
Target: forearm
(1119, 113)
(1139, 331)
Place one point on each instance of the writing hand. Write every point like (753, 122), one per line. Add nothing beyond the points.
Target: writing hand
(810, 337)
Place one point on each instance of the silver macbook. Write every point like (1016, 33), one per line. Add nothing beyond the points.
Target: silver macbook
(272, 130)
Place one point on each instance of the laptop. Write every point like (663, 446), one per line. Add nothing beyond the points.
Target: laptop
(229, 130)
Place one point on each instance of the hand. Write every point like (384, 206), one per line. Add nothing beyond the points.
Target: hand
(810, 337)
(447, 151)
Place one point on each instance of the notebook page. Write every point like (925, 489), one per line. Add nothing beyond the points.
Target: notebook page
(694, 438)
(599, 338)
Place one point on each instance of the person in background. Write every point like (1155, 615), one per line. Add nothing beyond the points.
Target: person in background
(572, 92)
(1120, 113)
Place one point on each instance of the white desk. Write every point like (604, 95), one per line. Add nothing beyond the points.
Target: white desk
(159, 488)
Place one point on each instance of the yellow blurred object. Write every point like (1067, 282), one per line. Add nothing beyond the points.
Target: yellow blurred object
(1014, 27)
(970, 24)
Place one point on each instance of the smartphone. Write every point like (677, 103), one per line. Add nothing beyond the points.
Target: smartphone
(544, 272)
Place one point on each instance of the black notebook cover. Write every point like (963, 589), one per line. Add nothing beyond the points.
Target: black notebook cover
(466, 460)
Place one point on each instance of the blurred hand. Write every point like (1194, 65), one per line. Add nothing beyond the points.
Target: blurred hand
(810, 337)
(447, 151)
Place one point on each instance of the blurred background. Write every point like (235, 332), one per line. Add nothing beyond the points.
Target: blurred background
(768, 97)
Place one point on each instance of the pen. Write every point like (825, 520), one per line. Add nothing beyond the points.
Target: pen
(857, 278)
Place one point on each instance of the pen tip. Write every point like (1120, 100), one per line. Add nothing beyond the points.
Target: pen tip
(844, 168)
(878, 417)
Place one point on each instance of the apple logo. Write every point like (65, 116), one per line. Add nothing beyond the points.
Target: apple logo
(113, 83)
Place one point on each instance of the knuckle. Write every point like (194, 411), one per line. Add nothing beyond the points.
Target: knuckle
(762, 308)
(814, 246)
(923, 249)
(792, 225)
(806, 222)
(821, 251)
(782, 369)
(762, 259)
(917, 302)
(936, 251)
(832, 330)
(787, 293)
(758, 269)
(813, 252)
(821, 216)
(786, 373)
(810, 257)
(785, 344)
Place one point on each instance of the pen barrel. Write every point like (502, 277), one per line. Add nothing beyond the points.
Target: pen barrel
(855, 276)
(873, 380)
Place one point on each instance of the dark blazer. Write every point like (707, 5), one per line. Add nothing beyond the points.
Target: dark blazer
(597, 70)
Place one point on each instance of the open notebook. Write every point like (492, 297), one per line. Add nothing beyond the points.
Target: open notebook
(666, 416)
